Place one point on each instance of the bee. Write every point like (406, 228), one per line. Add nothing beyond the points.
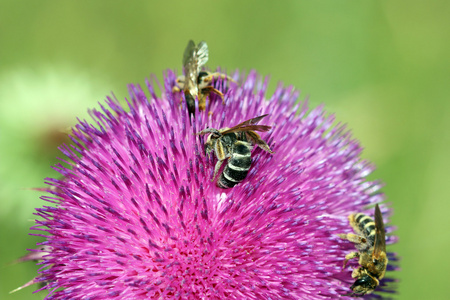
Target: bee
(371, 244)
(236, 144)
(194, 82)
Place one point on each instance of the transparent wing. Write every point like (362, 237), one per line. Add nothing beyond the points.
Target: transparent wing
(252, 121)
(248, 125)
(247, 128)
(201, 54)
(190, 65)
(188, 52)
(380, 234)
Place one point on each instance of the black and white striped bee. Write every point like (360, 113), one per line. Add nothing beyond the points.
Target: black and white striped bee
(196, 83)
(236, 144)
(370, 241)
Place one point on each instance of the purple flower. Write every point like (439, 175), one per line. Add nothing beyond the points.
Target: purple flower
(137, 216)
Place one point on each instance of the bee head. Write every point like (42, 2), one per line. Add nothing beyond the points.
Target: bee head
(212, 140)
(364, 285)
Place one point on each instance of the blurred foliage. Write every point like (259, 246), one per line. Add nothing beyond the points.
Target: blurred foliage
(381, 66)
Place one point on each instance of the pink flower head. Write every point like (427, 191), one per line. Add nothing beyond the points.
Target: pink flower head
(137, 216)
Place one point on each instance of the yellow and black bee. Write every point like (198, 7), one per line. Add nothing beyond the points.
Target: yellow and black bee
(194, 82)
(370, 241)
(235, 143)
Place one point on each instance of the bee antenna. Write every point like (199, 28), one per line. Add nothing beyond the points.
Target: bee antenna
(208, 130)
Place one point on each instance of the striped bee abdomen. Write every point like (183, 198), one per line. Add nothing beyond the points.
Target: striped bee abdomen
(367, 226)
(237, 166)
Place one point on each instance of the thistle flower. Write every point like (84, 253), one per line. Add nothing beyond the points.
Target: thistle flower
(137, 216)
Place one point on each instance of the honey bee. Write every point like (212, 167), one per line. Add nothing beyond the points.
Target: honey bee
(235, 143)
(196, 83)
(371, 244)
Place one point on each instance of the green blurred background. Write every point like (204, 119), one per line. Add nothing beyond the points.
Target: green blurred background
(381, 66)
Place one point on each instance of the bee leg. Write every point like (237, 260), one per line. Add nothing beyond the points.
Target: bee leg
(217, 168)
(358, 272)
(209, 89)
(356, 239)
(218, 75)
(179, 85)
(349, 256)
(176, 89)
(201, 101)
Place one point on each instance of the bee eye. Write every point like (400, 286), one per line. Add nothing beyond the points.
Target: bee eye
(375, 262)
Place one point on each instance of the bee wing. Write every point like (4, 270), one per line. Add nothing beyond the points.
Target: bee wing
(247, 128)
(193, 59)
(220, 151)
(251, 121)
(189, 52)
(195, 56)
(202, 54)
(190, 69)
(380, 237)
(258, 141)
(248, 125)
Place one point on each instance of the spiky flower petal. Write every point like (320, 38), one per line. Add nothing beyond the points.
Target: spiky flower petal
(137, 216)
